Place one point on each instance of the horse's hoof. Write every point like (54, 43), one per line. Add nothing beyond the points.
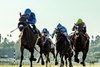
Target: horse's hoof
(42, 63)
(61, 65)
(83, 63)
(56, 63)
(20, 66)
(37, 62)
(71, 66)
(76, 60)
(34, 59)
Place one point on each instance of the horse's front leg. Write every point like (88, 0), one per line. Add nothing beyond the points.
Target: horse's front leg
(66, 59)
(22, 51)
(62, 62)
(70, 61)
(76, 57)
(56, 62)
(83, 58)
(42, 60)
(47, 59)
(39, 59)
(53, 52)
(31, 58)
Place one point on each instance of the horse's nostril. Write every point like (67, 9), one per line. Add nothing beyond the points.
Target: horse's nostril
(21, 28)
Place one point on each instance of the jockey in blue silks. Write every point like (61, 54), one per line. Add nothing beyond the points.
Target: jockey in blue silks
(46, 34)
(63, 30)
(31, 19)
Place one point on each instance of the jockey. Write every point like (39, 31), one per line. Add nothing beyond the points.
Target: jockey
(46, 34)
(63, 30)
(81, 27)
(31, 19)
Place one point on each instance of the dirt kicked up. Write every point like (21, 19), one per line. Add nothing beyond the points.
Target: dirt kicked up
(48, 66)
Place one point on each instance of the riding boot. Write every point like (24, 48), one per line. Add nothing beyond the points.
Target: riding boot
(35, 29)
(87, 36)
(69, 41)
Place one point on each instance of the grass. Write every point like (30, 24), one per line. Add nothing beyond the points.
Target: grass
(48, 66)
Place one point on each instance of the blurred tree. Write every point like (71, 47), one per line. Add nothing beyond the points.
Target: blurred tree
(97, 55)
(97, 39)
(0, 38)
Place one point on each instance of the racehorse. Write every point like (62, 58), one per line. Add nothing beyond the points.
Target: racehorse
(63, 48)
(27, 39)
(81, 45)
(46, 49)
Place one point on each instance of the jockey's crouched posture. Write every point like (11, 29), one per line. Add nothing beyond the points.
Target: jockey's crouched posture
(31, 19)
(46, 34)
(79, 26)
(63, 31)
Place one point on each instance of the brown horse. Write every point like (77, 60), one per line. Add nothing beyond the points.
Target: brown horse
(27, 39)
(81, 45)
(46, 49)
(63, 48)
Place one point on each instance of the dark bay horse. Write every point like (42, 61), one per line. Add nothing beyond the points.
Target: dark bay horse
(63, 48)
(81, 45)
(27, 39)
(46, 49)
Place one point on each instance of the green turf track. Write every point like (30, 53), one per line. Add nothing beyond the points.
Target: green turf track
(48, 66)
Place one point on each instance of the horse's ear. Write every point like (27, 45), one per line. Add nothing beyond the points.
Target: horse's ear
(20, 14)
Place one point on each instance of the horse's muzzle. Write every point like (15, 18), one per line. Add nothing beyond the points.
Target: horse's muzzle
(21, 27)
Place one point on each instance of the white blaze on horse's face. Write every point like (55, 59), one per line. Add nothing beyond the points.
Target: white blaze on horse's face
(31, 25)
(76, 29)
(21, 27)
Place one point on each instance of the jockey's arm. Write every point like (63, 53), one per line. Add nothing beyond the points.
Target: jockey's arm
(84, 29)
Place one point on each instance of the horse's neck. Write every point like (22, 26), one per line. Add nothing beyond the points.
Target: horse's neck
(59, 34)
(27, 32)
(82, 38)
(60, 37)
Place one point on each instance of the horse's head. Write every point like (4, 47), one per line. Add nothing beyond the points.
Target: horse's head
(58, 31)
(75, 28)
(22, 22)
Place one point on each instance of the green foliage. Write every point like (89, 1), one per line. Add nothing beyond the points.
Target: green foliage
(94, 50)
(97, 54)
